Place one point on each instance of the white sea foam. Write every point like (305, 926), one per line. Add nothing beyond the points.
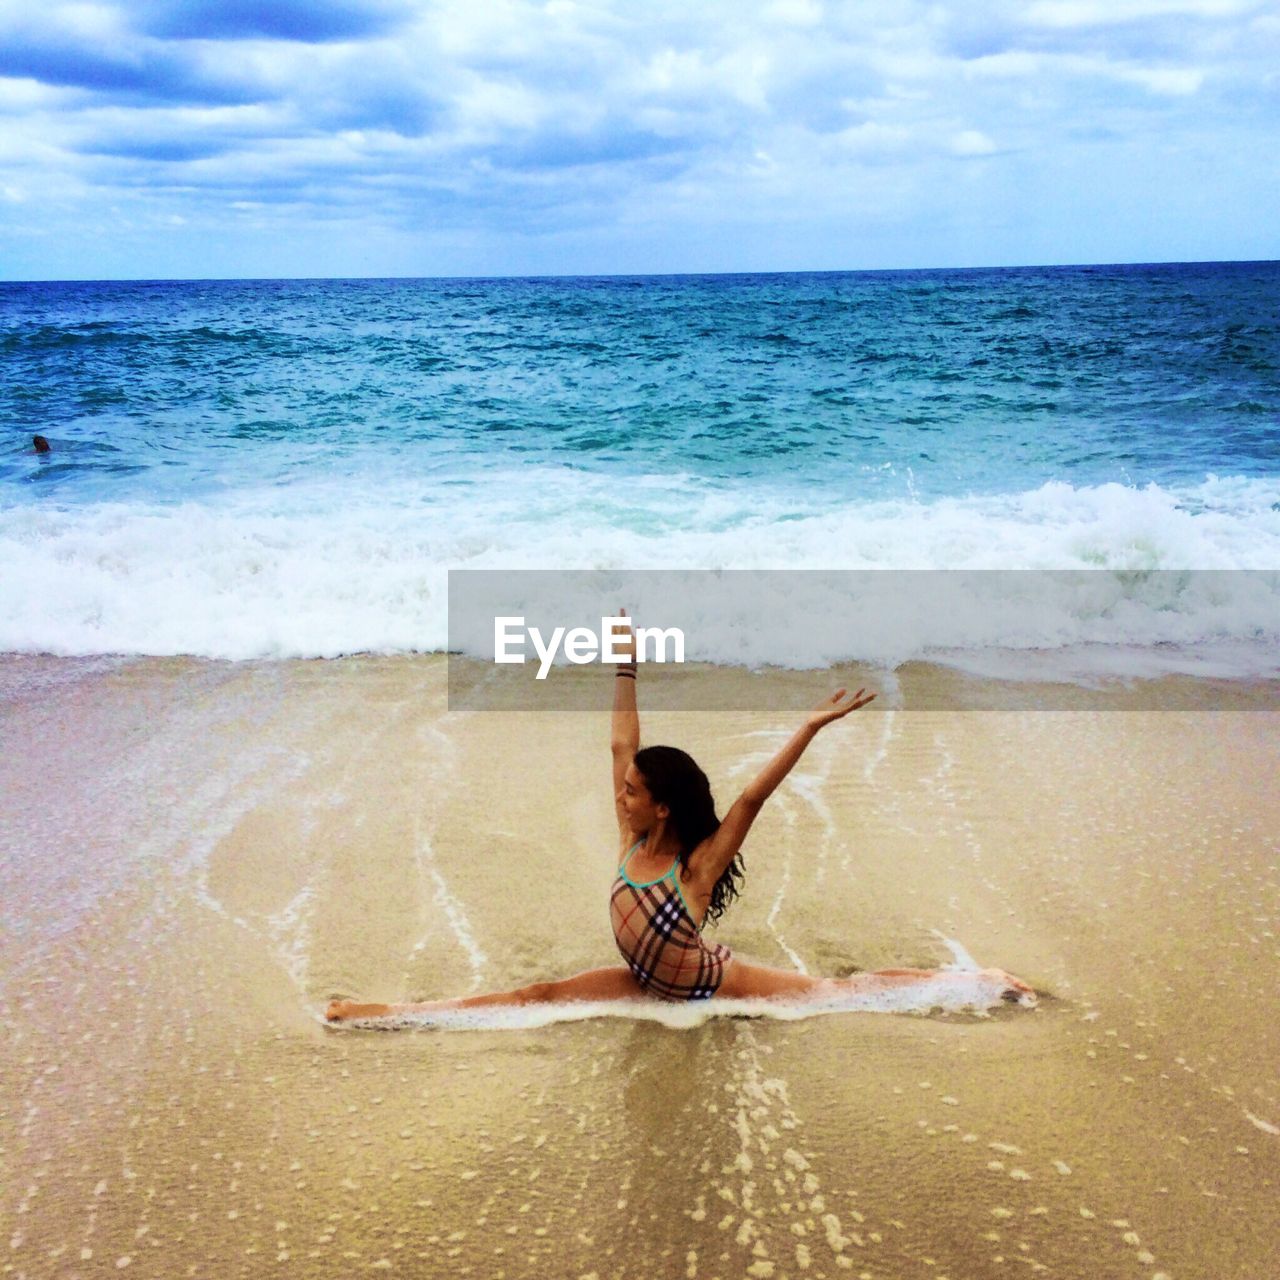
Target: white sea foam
(961, 960)
(455, 914)
(314, 571)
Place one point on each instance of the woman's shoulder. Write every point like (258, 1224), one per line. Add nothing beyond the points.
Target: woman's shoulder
(698, 865)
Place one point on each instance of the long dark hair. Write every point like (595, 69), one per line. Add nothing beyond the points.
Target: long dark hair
(674, 779)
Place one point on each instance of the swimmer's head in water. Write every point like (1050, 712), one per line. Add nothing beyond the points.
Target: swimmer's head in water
(675, 788)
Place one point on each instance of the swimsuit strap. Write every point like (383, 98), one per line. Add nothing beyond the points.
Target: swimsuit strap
(671, 872)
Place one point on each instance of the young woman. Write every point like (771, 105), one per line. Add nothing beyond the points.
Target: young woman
(680, 867)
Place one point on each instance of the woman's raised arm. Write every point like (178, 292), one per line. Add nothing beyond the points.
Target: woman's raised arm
(722, 847)
(625, 738)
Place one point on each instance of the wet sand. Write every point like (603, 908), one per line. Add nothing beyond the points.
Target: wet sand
(195, 856)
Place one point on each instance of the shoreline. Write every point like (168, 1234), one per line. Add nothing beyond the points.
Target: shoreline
(1031, 681)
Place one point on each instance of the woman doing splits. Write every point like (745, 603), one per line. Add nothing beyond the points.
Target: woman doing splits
(680, 867)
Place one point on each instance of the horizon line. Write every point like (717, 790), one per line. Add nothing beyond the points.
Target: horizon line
(641, 275)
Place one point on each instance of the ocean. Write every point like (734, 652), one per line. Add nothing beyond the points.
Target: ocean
(245, 469)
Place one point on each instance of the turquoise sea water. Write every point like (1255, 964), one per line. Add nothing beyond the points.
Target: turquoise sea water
(291, 466)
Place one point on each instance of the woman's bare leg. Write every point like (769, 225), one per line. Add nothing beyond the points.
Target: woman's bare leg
(744, 981)
(614, 983)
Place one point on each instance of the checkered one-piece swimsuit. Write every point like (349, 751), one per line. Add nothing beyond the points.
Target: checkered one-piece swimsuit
(655, 932)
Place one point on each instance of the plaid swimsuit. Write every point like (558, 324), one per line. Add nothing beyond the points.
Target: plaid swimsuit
(655, 932)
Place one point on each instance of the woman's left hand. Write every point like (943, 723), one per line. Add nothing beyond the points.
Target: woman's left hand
(835, 707)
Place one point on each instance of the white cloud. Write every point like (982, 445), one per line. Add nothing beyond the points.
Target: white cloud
(1012, 64)
(1174, 81)
(1093, 13)
(1020, 65)
(22, 96)
(972, 142)
(485, 108)
(795, 13)
(872, 138)
(91, 21)
(689, 75)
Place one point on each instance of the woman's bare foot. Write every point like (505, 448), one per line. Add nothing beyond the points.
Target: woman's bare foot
(1015, 990)
(338, 1010)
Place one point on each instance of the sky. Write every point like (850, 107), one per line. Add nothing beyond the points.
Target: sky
(182, 139)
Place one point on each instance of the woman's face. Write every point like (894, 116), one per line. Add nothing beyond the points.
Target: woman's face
(642, 813)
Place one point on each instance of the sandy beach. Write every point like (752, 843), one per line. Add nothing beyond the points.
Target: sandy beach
(196, 855)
